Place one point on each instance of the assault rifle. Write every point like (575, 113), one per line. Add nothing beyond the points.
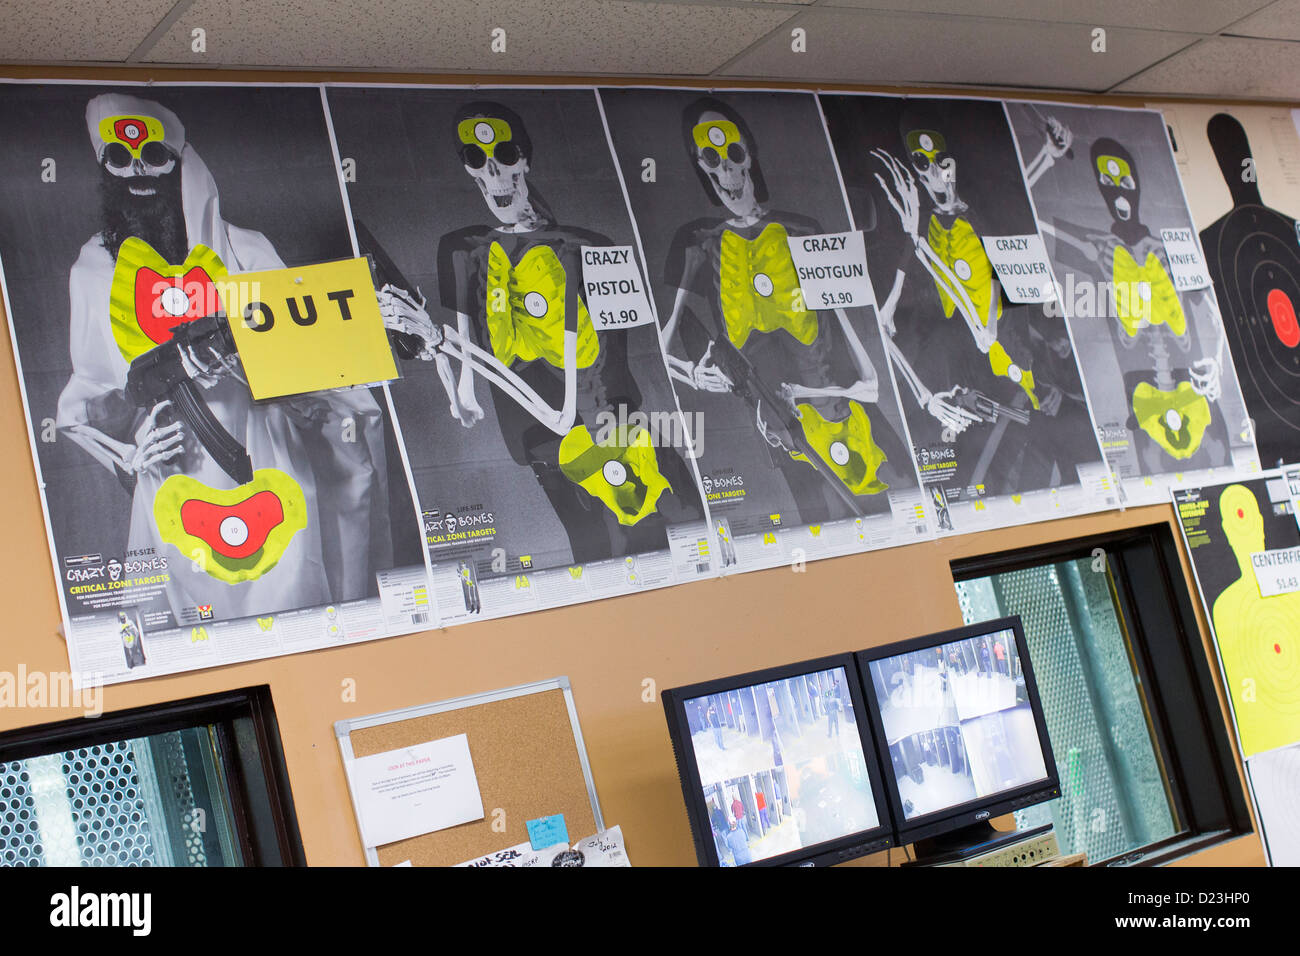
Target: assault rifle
(161, 375)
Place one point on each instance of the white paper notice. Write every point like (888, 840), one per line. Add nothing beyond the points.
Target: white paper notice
(1277, 571)
(1186, 267)
(1022, 267)
(522, 855)
(612, 285)
(832, 271)
(414, 790)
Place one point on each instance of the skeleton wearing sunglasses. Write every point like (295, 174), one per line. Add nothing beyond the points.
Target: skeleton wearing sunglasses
(737, 289)
(1170, 400)
(514, 287)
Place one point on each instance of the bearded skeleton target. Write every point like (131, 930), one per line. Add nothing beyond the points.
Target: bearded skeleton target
(739, 325)
(152, 268)
(523, 325)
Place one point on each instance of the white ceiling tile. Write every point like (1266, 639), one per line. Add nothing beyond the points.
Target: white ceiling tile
(1192, 16)
(859, 46)
(66, 30)
(542, 36)
(1280, 21)
(1226, 67)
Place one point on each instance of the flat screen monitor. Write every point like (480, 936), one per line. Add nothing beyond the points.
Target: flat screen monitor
(778, 767)
(960, 727)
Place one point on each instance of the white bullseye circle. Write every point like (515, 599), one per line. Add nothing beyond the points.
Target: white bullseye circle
(926, 141)
(1112, 167)
(132, 131)
(763, 284)
(962, 268)
(484, 133)
(1144, 291)
(536, 304)
(717, 136)
(233, 531)
(1173, 420)
(839, 453)
(174, 301)
(614, 473)
(1014, 373)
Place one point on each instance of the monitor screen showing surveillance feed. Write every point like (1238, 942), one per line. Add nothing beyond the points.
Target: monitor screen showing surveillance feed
(782, 766)
(958, 722)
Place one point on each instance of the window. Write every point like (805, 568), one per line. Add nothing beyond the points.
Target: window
(192, 783)
(1145, 763)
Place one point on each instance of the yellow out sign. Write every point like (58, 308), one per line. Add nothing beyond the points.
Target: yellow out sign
(309, 328)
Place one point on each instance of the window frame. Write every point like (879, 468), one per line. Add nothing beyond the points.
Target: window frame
(1189, 729)
(249, 756)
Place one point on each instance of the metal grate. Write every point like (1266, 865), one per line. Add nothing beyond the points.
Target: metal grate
(19, 837)
(105, 805)
(1112, 795)
(108, 808)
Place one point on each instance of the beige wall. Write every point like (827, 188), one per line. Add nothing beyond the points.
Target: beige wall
(608, 649)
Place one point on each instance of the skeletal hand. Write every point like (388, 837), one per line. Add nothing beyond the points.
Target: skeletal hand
(206, 370)
(154, 445)
(907, 203)
(401, 312)
(707, 377)
(952, 417)
(1059, 138)
(1050, 403)
(1205, 375)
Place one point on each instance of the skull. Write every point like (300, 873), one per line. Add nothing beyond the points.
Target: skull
(498, 165)
(114, 568)
(726, 159)
(134, 150)
(935, 167)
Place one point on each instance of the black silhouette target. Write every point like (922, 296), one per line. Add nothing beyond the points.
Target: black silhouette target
(1254, 260)
(1253, 254)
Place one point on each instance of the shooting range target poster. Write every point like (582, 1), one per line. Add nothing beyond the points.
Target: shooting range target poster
(190, 526)
(1137, 295)
(550, 460)
(984, 363)
(1241, 170)
(803, 451)
(1244, 544)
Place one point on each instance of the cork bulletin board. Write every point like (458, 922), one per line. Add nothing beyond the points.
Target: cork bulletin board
(528, 756)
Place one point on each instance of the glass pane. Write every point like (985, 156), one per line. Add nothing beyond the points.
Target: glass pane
(149, 801)
(1114, 795)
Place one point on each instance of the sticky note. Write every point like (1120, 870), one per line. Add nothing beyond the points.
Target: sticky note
(547, 831)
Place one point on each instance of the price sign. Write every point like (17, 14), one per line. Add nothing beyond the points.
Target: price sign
(1021, 266)
(1277, 571)
(1186, 267)
(832, 270)
(613, 288)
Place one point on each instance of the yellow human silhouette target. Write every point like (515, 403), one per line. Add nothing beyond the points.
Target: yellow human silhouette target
(1258, 637)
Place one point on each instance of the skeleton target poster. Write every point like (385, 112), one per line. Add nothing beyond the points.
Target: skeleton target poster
(1160, 378)
(803, 450)
(189, 525)
(986, 369)
(550, 461)
(1241, 169)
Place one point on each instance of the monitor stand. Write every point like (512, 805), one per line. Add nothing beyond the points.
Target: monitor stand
(981, 845)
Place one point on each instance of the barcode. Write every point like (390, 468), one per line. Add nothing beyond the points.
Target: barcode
(422, 618)
(702, 567)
